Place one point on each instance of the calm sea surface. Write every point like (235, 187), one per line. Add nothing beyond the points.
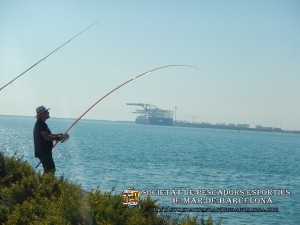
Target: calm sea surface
(121, 155)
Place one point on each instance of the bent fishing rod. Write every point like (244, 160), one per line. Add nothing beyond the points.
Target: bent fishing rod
(113, 90)
(49, 55)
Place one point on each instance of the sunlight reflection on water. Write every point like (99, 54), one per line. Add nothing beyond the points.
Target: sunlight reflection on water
(147, 157)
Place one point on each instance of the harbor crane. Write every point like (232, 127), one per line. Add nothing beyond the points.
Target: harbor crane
(150, 114)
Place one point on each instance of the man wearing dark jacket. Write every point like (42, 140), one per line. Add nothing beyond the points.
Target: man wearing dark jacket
(43, 140)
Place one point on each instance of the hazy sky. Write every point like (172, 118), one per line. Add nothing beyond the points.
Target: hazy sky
(249, 53)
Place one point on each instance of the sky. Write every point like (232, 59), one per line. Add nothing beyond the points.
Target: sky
(248, 52)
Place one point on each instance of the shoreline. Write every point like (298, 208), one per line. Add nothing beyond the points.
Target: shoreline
(205, 125)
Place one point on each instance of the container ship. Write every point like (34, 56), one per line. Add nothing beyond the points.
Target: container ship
(152, 115)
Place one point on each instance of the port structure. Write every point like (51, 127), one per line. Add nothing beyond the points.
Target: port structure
(152, 115)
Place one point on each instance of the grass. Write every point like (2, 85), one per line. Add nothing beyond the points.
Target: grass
(27, 197)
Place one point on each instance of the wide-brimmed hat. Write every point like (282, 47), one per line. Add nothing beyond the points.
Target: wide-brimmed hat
(41, 109)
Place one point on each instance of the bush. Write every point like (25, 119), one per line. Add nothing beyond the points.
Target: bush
(27, 197)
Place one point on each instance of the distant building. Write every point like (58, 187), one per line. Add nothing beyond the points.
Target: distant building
(259, 127)
(243, 125)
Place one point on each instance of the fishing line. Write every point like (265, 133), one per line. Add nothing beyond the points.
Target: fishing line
(113, 90)
(48, 55)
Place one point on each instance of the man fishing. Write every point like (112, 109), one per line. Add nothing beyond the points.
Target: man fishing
(43, 140)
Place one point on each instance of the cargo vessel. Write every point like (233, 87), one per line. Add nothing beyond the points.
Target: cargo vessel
(152, 115)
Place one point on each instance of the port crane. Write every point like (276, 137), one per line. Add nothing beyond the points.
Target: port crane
(150, 114)
(194, 117)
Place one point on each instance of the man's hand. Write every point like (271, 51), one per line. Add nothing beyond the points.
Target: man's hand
(64, 138)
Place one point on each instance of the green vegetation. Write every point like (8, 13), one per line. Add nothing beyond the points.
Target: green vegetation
(27, 197)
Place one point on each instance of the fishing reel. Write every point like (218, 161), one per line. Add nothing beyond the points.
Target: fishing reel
(65, 137)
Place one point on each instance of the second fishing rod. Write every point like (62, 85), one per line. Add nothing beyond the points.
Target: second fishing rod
(10, 82)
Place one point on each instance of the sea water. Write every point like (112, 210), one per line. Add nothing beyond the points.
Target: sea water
(199, 164)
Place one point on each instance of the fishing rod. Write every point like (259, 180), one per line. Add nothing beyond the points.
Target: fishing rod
(48, 55)
(113, 90)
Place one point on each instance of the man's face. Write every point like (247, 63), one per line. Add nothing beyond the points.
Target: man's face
(45, 115)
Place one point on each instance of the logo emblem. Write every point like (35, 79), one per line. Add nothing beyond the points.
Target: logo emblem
(131, 197)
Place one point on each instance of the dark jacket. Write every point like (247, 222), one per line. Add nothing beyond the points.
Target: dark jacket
(41, 146)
